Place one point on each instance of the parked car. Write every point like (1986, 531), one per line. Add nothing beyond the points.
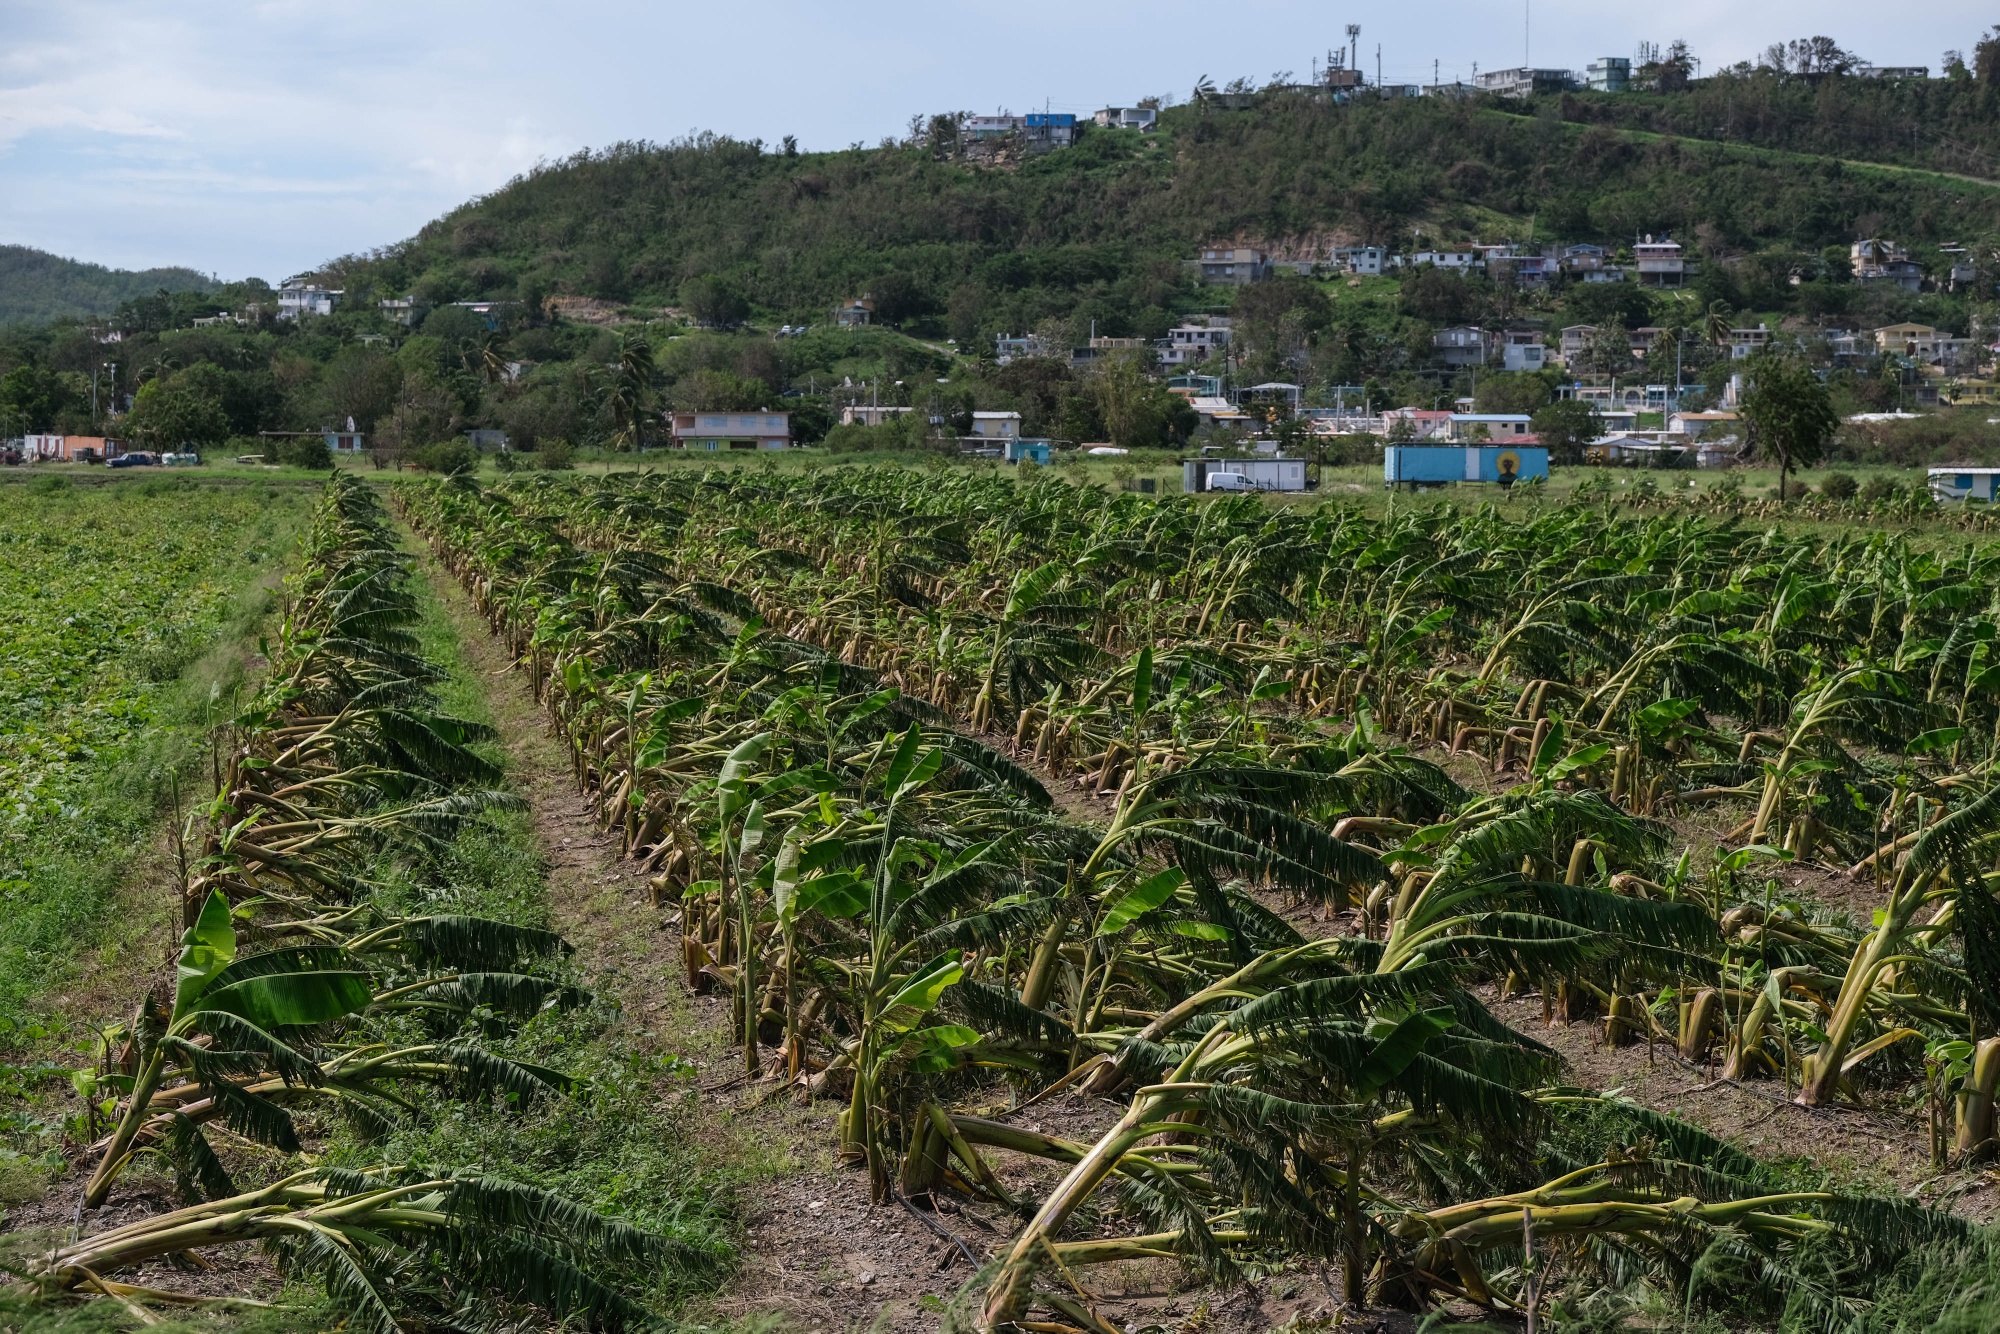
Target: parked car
(135, 459)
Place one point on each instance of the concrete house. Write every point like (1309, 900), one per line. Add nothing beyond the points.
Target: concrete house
(1907, 340)
(854, 313)
(996, 425)
(717, 431)
(1524, 81)
(1660, 263)
(1885, 262)
(1522, 350)
(1608, 74)
(1233, 266)
(296, 299)
(1501, 427)
(1128, 118)
(1363, 260)
(868, 414)
(1192, 344)
(1462, 345)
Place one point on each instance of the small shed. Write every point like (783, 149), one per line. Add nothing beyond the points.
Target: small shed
(1036, 451)
(1435, 465)
(1964, 483)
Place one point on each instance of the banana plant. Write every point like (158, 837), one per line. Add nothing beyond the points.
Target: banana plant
(244, 1007)
(374, 1238)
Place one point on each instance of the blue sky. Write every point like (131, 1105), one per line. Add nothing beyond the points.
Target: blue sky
(264, 138)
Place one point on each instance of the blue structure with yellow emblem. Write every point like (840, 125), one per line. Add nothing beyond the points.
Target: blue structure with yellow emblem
(1436, 465)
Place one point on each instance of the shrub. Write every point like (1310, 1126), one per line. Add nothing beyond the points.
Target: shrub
(446, 456)
(1877, 489)
(556, 456)
(1839, 486)
(303, 452)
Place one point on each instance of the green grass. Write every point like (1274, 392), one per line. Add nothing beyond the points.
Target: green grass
(124, 616)
(631, 1141)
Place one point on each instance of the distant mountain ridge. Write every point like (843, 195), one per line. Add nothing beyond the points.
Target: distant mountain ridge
(36, 287)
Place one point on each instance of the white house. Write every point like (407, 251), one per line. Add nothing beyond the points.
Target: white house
(717, 431)
(1522, 350)
(1464, 261)
(1365, 260)
(1128, 118)
(1524, 81)
(1192, 344)
(1953, 483)
(1500, 426)
(296, 299)
(867, 414)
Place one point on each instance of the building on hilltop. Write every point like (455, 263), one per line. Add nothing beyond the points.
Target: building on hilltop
(1128, 118)
(1608, 74)
(301, 298)
(1524, 81)
(854, 313)
(1037, 132)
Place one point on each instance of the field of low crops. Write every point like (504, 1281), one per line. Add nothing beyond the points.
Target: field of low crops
(333, 998)
(960, 786)
(1221, 834)
(107, 593)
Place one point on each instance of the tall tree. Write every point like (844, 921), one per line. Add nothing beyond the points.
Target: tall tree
(1789, 413)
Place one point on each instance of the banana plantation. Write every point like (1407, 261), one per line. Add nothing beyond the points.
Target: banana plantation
(1232, 823)
(297, 999)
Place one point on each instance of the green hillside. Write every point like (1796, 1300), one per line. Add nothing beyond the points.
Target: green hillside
(1097, 231)
(36, 286)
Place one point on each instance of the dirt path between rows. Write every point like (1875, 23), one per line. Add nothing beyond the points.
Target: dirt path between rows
(815, 1252)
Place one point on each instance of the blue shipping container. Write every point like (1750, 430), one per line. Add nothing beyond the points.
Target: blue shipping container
(1433, 465)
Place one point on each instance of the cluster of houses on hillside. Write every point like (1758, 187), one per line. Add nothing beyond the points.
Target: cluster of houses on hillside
(1652, 261)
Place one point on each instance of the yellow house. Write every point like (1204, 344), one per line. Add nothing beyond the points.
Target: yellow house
(1907, 340)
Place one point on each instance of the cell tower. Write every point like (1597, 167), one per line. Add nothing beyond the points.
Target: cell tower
(1354, 41)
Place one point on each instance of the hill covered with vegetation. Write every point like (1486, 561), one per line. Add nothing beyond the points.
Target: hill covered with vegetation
(736, 239)
(1098, 232)
(36, 287)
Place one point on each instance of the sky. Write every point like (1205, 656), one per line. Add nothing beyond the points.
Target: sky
(266, 138)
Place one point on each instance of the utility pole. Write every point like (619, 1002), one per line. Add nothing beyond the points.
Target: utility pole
(1378, 64)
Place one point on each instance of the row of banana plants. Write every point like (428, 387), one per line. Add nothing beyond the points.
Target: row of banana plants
(298, 1003)
(902, 916)
(1840, 691)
